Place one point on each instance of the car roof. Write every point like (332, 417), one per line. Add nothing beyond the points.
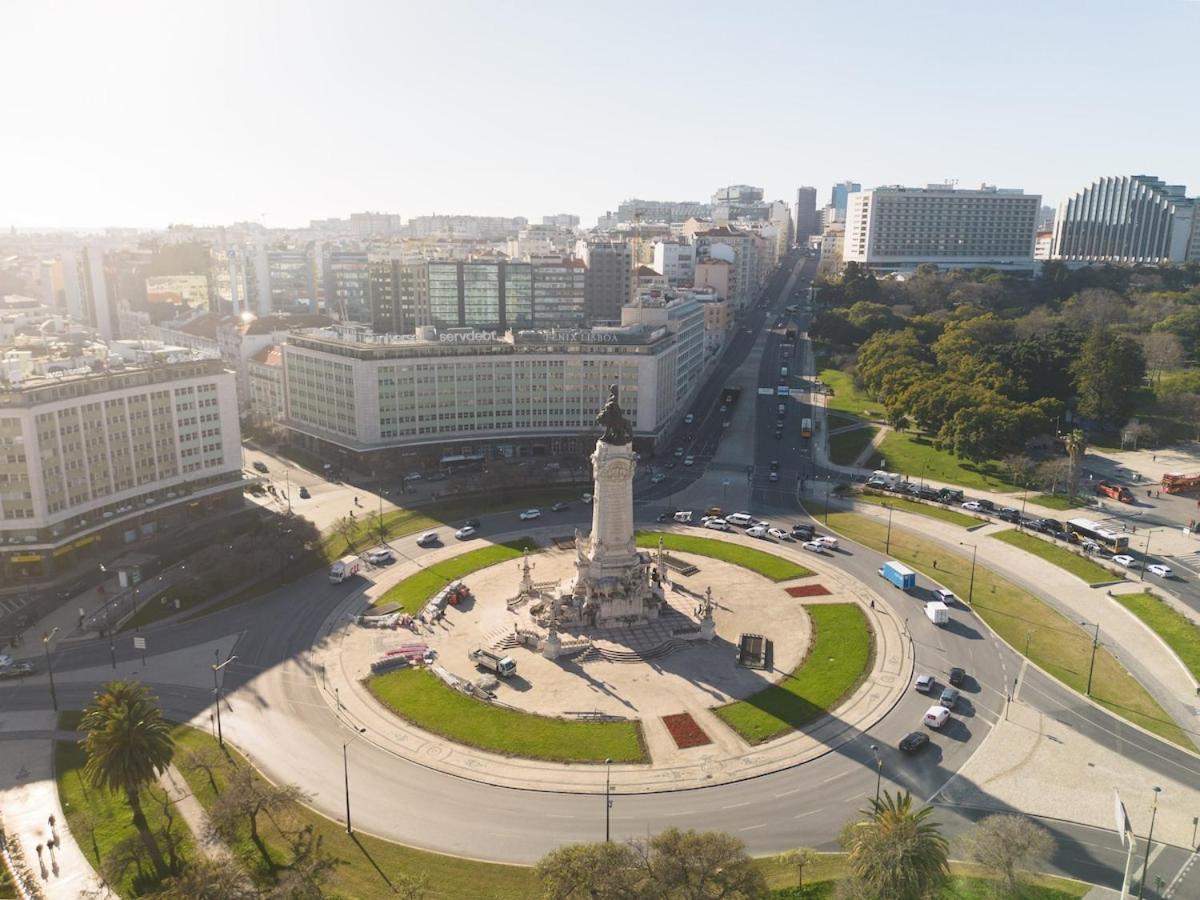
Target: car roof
(924, 678)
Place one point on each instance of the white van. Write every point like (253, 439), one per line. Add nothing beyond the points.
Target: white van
(684, 516)
(936, 716)
(830, 542)
(741, 520)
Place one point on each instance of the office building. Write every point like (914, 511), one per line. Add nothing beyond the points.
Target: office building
(899, 228)
(94, 461)
(289, 281)
(634, 210)
(86, 290)
(182, 290)
(609, 278)
(1129, 219)
(741, 248)
(346, 274)
(676, 261)
(559, 291)
(398, 292)
(264, 375)
(482, 294)
(561, 220)
(806, 213)
(840, 195)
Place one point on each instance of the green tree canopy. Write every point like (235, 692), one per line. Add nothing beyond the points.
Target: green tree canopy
(1110, 368)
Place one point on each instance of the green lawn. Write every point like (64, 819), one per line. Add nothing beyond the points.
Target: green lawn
(1057, 501)
(766, 564)
(414, 591)
(367, 865)
(1176, 629)
(422, 698)
(847, 398)
(961, 887)
(100, 821)
(1055, 643)
(915, 456)
(845, 446)
(838, 658)
(934, 511)
(1077, 565)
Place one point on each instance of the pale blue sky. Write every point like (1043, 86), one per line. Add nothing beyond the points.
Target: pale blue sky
(140, 113)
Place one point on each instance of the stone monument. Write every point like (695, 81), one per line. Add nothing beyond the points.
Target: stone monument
(614, 582)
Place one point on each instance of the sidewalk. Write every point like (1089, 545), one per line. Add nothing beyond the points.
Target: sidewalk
(1147, 658)
(28, 797)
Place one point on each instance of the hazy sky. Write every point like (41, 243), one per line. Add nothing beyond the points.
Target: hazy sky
(131, 113)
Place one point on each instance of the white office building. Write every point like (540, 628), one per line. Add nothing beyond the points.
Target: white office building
(899, 228)
(1127, 219)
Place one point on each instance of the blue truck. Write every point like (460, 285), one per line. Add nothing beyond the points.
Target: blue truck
(898, 574)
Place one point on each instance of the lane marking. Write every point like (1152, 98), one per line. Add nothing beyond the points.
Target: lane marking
(736, 805)
(811, 812)
(789, 793)
(753, 827)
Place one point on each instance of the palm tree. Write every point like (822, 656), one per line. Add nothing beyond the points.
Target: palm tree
(1077, 443)
(128, 744)
(895, 852)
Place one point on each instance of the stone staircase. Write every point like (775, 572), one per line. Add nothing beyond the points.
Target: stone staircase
(666, 648)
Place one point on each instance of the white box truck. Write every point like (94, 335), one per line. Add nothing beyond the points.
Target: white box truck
(937, 612)
(504, 666)
(346, 567)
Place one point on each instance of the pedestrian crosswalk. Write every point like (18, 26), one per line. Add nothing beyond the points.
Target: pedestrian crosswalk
(1189, 560)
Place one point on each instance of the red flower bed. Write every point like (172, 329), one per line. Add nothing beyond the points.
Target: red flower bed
(807, 590)
(685, 731)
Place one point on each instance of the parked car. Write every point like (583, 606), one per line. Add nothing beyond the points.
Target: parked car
(924, 684)
(1160, 570)
(957, 676)
(1123, 559)
(949, 697)
(717, 524)
(304, 494)
(467, 531)
(913, 741)
(261, 466)
(429, 539)
(381, 556)
(560, 507)
(986, 505)
(1009, 515)
(530, 514)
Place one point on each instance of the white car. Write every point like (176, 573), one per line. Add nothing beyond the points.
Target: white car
(467, 531)
(1123, 559)
(717, 525)
(814, 546)
(657, 478)
(586, 498)
(379, 557)
(779, 534)
(531, 514)
(756, 531)
(1160, 570)
(945, 596)
(972, 505)
(924, 684)
(689, 460)
(689, 419)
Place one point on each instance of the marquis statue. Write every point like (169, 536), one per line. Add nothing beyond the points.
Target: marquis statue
(616, 429)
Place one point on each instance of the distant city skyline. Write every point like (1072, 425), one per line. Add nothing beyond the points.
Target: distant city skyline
(129, 115)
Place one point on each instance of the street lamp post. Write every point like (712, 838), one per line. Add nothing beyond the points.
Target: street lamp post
(607, 801)
(346, 776)
(878, 770)
(1149, 841)
(887, 545)
(971, 585)
(50, 667)
(827, 503)
(1145, 557)
(1092, 665)
(217, 693)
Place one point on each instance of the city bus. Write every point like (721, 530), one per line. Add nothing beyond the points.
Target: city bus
(1088, 530)
(806, 428)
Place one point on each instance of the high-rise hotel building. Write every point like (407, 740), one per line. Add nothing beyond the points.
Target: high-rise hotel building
(92, 461)
(899, 228)
(1129, 219)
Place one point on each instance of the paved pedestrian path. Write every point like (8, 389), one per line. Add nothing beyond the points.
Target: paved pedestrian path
(179, 793)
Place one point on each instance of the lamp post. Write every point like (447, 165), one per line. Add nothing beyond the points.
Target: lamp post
(1145, 557)
(1149, 841)
(971, 585)
(827, 503)
(1092, 666)
(878, 770)
(887, 545)
(607, 801)
(49, 666)
(346, 776)
(217, 693)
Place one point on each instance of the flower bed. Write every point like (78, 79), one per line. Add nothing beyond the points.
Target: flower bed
(808, 590)
(685, 732)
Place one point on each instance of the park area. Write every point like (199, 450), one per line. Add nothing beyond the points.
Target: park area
(1078, 565)
(414, 591)
(768, 565)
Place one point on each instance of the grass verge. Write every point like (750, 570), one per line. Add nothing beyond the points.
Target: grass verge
(414, 591)
(766, 564)
(1057, 501)
(847, 398)
(1173, 627)
(921, 509)
(101, 821)
(838, 657)
(845, 446)
(915, 456)
(1050, 640)
(420, 697)
(1079, 566)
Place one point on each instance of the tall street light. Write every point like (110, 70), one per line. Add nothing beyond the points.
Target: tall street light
(49, 666)
(878, 770)
(607, 801)
(346, 775)
(1145, 557)
(1092, 666)
(887, 546)
(971, 586)
(217, 667)
(1149, 841)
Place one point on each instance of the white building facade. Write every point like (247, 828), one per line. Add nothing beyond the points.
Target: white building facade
(1127, 219)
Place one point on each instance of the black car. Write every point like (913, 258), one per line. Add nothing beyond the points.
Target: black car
(261, 466)
(804, 532)
(927, 493)
(304, 494)
(1053, 525)
(1010, 516)
(950, 495)
(957, 676)
(913, 741)
(669, 464)
(559, 507)
(987, 505)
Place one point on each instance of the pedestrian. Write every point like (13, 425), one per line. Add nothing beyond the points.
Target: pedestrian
(872, 604)
(935, 563)
(1155, 457)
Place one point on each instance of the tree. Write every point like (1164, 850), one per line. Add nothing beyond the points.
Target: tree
(347, 529)
(1096, 308)
(799, 859)
(599, 871)
(1077, 444)
(206, 760)
(128, 744)
(1164, 352)
(245, 798)
(896, 852)
(1110, 368)
(209, 879)
(1010, 846)
(695, 865)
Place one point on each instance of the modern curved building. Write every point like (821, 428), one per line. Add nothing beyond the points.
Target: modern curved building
(1129, 219)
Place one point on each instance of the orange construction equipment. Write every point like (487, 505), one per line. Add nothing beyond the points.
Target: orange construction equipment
(1174, 483)
(1116, 491)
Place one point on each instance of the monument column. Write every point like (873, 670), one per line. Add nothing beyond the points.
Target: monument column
(613, 467)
